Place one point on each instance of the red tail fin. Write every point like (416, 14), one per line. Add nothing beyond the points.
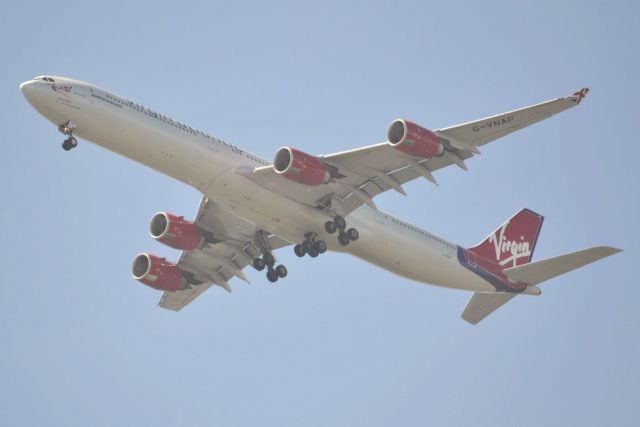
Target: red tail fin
(512, 244)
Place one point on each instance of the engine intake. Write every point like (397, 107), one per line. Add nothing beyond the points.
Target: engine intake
(300, 167)
(157, 273)
(415, 140)
(175, 231)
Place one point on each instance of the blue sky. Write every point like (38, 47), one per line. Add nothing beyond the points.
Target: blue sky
(340, 342)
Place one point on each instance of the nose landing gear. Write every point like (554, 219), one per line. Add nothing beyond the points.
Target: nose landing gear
(67, 128)
(69, 143)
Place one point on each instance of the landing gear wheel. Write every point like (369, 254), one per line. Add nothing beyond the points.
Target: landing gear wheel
(353, 234)
(330, 227)
(340, 222)
(272, 276)
(69, 143)
(320, 246)
(269, 259)
(343, 239)
(281, 271)
(313, 253)
(259, 264)
(299, 250)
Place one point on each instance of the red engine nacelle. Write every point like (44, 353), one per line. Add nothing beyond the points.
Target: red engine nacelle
(415, 140)
(158, 273)
(175, 231)
(300, 167)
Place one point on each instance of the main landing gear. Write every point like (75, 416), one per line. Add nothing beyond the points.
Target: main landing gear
(268, 261)
(340, 225)
(311, 246)
(67, 128)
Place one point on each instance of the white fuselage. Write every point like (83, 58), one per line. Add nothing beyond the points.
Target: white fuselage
(215, 168)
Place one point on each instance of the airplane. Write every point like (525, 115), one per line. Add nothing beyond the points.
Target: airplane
(251, 207)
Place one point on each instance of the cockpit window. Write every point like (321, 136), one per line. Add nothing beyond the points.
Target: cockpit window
(45, 78)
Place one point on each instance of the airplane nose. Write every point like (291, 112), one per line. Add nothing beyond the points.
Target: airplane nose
(28, 89)
(36, 94)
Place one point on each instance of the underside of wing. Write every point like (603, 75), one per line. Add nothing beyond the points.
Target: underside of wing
(363, 174)
(354, 177)
(231, 244)
(480, 132)
(481, 305)
(540, 271)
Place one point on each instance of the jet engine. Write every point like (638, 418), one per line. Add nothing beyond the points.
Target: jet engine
(415, 140)
(175, 232)
(158, 273)
(300, 167)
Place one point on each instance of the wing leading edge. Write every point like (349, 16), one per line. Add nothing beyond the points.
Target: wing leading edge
(368, 171)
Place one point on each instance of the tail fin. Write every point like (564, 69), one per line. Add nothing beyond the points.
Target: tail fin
(512, 244)
(511, 247)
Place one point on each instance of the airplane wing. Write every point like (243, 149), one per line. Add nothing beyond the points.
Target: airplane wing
(361, 174)
(233, 243)
(537, 272)
(481, 305)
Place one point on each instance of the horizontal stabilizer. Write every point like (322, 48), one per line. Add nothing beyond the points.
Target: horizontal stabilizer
(540, 271)
(481, 305)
